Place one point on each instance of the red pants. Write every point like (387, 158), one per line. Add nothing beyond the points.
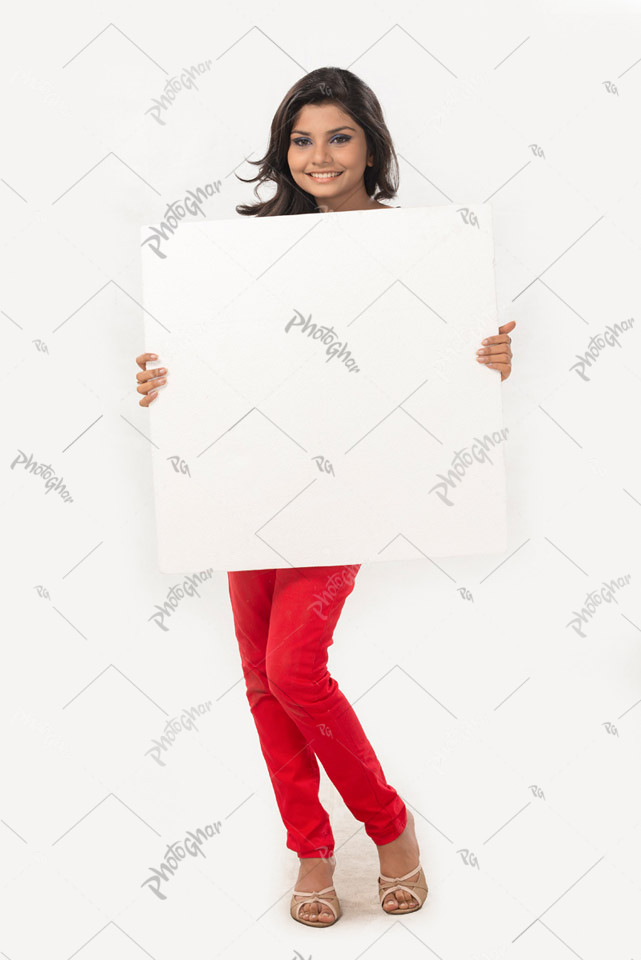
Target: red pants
(284, 621)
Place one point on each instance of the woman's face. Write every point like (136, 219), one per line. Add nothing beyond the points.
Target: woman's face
(325, 139)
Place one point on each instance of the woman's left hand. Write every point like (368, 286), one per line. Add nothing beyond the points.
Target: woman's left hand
(496, 351)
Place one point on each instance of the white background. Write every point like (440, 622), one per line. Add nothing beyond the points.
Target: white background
(514, 740)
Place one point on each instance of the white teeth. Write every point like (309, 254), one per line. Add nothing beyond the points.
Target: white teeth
(324, 176)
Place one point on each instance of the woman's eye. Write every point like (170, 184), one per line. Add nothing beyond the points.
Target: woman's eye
(340, 136)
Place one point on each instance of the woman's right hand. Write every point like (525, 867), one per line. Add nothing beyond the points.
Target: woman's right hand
(149, 380)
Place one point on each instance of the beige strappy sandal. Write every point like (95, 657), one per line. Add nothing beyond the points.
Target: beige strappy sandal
(331, 901)
(416, 888)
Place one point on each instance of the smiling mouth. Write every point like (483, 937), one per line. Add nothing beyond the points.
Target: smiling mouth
(319, 177)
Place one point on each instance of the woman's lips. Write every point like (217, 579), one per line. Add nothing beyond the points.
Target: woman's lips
(324, 179)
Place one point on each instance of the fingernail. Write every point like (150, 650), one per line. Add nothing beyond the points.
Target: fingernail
(154, 356)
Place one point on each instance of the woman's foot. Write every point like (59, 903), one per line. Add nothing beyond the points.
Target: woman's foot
(396, 858)
(315, 873)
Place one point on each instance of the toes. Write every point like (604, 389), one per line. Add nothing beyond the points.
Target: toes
(408, 900)
(310, 911)
(398, 901)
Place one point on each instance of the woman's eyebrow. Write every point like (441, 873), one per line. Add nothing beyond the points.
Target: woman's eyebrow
(335, 130)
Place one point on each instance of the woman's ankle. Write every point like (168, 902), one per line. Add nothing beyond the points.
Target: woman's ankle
(403, 848)
(314, 873)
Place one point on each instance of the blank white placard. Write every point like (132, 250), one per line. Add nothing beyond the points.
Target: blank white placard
(324, 404)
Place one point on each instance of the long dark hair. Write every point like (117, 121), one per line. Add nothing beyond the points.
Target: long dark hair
(355, 98)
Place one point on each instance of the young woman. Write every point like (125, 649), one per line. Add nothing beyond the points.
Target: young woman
(329, 151)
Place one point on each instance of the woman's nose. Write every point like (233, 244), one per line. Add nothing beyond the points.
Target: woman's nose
(321, 158)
